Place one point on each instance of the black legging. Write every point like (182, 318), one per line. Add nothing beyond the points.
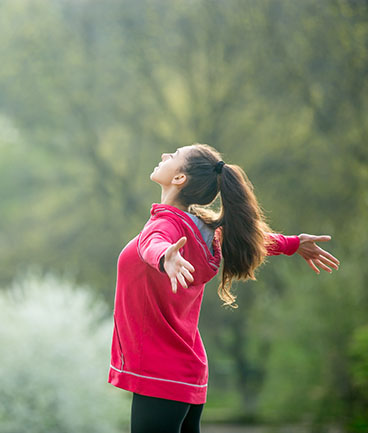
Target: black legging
(158, 415)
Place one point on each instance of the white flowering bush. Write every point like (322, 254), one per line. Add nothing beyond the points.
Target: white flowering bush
(54, 360)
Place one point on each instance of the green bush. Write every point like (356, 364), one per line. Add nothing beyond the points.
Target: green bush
(307, 364)
(55, 342)
(359, 352)
(359, 372)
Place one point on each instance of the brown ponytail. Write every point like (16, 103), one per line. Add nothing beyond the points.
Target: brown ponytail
(243, 230)
(243, 226)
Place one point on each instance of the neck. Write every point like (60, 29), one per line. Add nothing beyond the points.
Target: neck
(169, 197)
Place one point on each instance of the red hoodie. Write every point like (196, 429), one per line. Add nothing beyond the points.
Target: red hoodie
(156, 346)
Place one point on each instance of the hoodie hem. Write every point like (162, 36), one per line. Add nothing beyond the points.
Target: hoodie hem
(158, 387)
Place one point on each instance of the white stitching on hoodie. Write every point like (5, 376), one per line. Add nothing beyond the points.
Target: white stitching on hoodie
(157, 378)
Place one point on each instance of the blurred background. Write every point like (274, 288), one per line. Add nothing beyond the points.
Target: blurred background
(91, 94)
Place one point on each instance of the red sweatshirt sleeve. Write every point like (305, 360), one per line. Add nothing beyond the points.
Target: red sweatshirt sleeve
(281, 244)
(155, 239)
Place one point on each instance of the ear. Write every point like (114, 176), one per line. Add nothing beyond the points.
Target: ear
(179, 179)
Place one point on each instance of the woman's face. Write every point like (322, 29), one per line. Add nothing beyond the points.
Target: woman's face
(167, 171)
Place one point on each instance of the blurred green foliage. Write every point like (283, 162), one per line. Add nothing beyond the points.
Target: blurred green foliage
(91, 94)
(54, 360)
(359, 372)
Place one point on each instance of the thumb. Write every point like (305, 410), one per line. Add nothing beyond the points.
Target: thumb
(180, 243)
(304, 237)
(323, 238)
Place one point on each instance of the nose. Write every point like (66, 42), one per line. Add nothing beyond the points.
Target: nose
(163, 156)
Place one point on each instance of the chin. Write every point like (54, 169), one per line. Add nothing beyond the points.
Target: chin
(153, 174)
(152, 177)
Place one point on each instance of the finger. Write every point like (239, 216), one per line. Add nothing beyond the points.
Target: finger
(313, 266)
(328, 262)
(174, 284)
(187, 274)
(181, 279)
(322, 266)
(328, 255)
(187, 265)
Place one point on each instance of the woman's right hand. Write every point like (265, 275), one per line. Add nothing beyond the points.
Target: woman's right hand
(316, 256)
(176, 267)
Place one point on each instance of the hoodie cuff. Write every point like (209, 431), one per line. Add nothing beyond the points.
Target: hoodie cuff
(292, 245)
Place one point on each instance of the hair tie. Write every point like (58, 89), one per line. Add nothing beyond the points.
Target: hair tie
(218, 166)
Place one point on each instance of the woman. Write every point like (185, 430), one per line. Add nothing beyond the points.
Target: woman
(157, 352)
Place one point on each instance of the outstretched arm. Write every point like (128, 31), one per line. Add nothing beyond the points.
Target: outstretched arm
(304, 245)
(159, 246)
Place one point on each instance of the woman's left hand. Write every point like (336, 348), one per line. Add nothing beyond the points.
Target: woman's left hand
(316, 256)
